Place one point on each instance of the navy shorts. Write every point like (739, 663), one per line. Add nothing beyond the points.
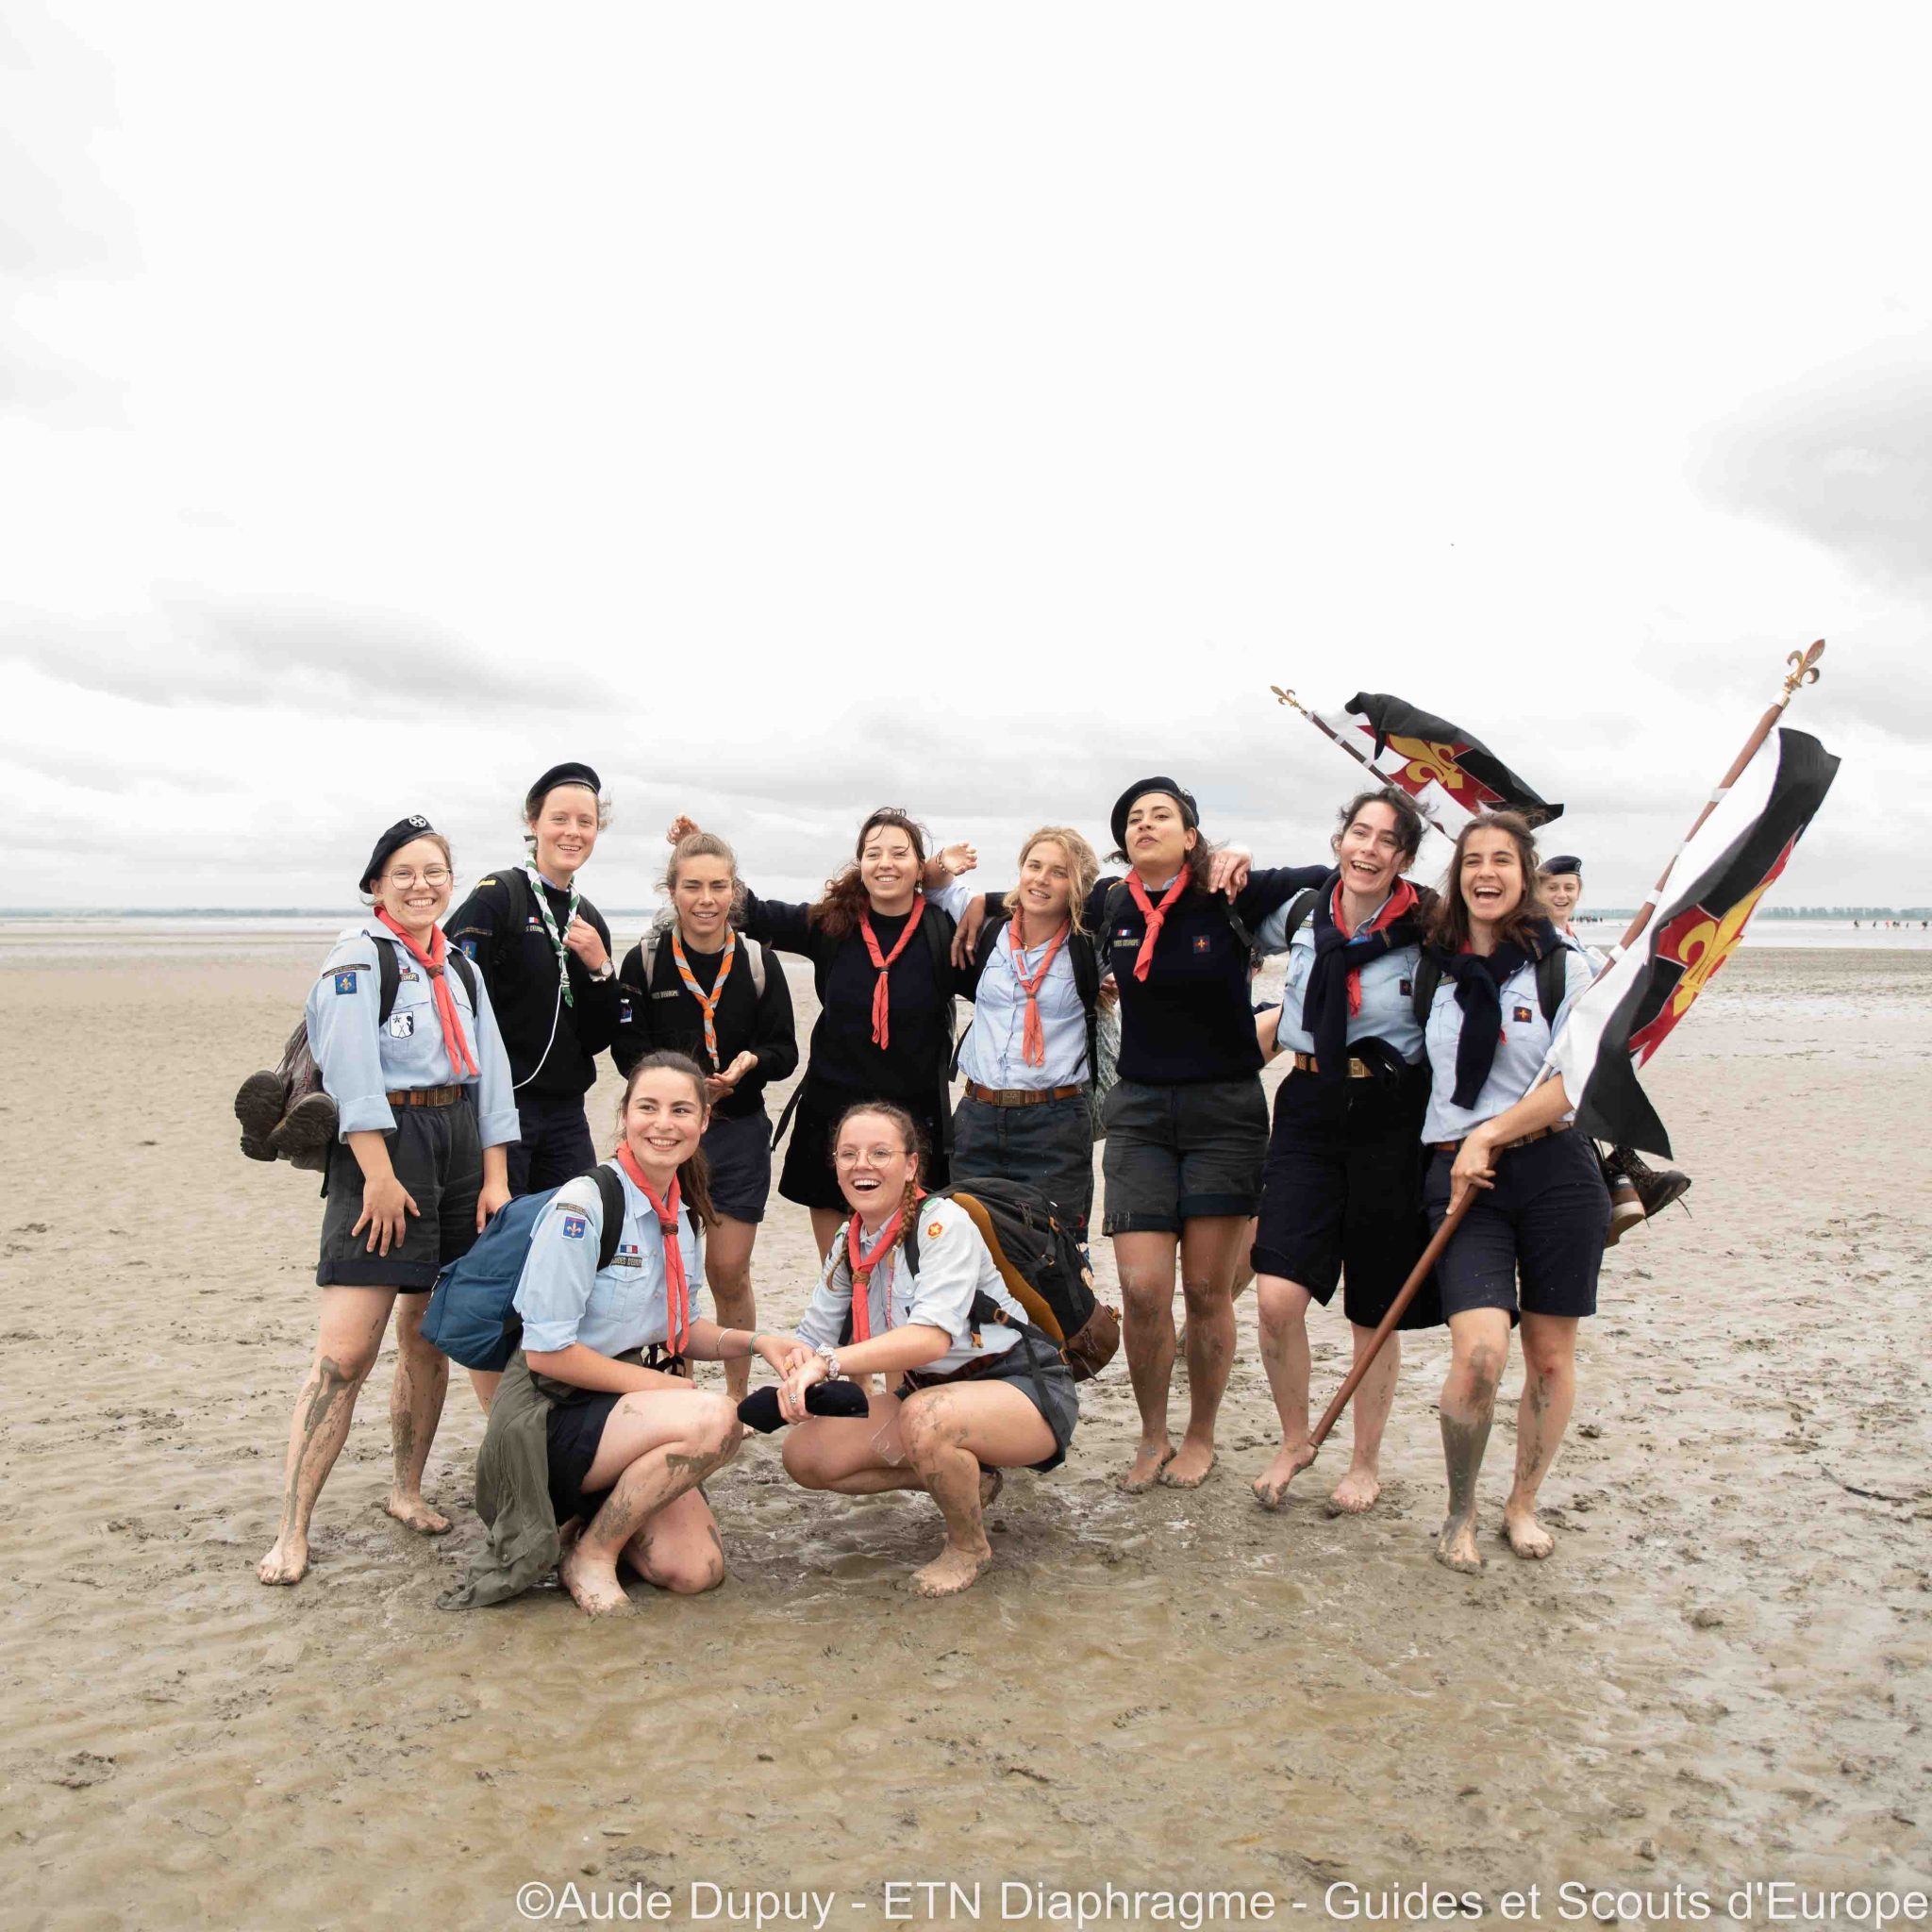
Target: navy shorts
(1341, 1194)
(556, 1145)
(436, 1155)
(1178, 1153)
(1049, 1147)
(807, 1177)
(1542, 1224)
(739, 1154)
(1034, 1367)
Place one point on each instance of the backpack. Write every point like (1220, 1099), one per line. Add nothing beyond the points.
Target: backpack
(1552, 983)
(471, 1317)
(1042, 1270)
(297, 1078)
(753, 957)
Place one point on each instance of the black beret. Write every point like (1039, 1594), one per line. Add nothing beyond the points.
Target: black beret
(569, 773)
(391, 841)
(1140, 789)
(1563, 862)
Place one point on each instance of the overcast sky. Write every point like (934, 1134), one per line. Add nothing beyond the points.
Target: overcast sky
(794, 409)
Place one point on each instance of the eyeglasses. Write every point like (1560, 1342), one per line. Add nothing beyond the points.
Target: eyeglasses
(430, 876)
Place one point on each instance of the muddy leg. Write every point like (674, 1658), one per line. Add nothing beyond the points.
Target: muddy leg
(952, 1437)
(1549, 1390)
(353, 1320)
(1375, 1396)
(1207, 1263)
(415, 1407)
(1146, 1263)
(1480, 1338)
(655, 1448)
(727, 1272)
(1283, 1308)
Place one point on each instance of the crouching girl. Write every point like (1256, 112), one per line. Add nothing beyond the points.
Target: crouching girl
(596, 1423)
(975, 1394)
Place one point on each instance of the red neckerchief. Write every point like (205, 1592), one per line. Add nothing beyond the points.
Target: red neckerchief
(677, 1287)
(708, 1001)
(1033, 1035)
(1399, 901)
(881, 995)
(861, 1267)
(1154, 915)
(461, 1060)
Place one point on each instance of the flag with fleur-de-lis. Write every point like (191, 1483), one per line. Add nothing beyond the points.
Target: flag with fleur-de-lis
(1700, 911)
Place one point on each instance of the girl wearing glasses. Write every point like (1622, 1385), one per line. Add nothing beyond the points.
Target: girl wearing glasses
(414, 1173)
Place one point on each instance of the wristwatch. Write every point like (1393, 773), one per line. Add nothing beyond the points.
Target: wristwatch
(830, 1357)
(607, 971)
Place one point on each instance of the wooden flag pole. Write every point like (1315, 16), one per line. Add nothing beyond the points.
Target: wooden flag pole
(1803, 671)
(1368, 764)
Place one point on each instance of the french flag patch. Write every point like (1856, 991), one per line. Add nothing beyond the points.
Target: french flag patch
(573, 1227)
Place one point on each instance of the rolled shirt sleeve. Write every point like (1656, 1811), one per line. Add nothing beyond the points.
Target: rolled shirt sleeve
(496, 1101)
(562, 1267)
(343, 1035)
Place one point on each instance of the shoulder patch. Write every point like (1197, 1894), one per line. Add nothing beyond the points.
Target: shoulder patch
(574, 1226)
(934, 1230)
(345, 980)
(481, 883)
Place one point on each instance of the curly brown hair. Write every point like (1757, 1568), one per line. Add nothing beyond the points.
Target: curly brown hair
(1409, 818)
(693, 1175)
(838, 910)
(1449, 922)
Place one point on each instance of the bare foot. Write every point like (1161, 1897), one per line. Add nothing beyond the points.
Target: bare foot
(1356, 1493)
(286, 1562)
(1271, 1486)
(991, 1481)
(1456, 1546)
(593, 1586)
(952, 1570)
(1189, 1468)
(1144, 1471)
(412, 1512)
(1526, 1536)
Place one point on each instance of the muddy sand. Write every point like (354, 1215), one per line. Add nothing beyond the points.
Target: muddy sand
(1723, 1677)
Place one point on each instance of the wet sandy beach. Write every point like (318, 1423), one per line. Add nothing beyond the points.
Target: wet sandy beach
(1724, 1675)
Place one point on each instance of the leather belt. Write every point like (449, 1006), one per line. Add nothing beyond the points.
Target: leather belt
(1560, 1127)
(1018, 1096)
(425, 1097)
(1358, 1069)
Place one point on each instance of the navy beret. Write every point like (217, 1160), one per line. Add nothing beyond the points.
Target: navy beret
(1140, 789)
(391, 841)
(569, 773)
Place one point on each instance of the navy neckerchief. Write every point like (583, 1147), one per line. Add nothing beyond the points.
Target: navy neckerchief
(1479, 994)
(1324, 999)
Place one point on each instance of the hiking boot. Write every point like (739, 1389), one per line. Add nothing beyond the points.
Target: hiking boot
(258, 1107)
(303, 1136)
(1657, 1186)
(1626, 1209)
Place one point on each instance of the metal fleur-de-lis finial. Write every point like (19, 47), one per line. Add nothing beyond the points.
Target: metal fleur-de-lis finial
(1804, 670)
(1288, 698)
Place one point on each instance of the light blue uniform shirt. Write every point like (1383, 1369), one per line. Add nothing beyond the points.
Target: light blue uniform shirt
(1520, 1055)
(952, 1264)
(362, 1061)
(994, 1050)
(1388, 992)
(564, 1297)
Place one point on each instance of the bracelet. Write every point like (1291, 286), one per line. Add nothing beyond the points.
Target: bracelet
(830, 1357)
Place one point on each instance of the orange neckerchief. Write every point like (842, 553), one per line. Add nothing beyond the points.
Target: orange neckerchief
(677, 1287)
(1399, 902)
(881, 994)
(461, 1060)
(1033, 1035)
(1154, 915)
(861, 1266)
(708, 1001)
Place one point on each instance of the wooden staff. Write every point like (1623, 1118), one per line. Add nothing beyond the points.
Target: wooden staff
(1803, 671)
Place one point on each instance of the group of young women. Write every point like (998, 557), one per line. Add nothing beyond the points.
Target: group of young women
(1418, 1024)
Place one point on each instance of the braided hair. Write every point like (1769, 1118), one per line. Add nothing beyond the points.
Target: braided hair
(913, 1140)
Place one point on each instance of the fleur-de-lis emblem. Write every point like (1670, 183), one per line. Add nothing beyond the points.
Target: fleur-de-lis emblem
(1427, 762)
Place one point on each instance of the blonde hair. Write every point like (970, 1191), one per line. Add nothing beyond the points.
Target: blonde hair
(1083, 863)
